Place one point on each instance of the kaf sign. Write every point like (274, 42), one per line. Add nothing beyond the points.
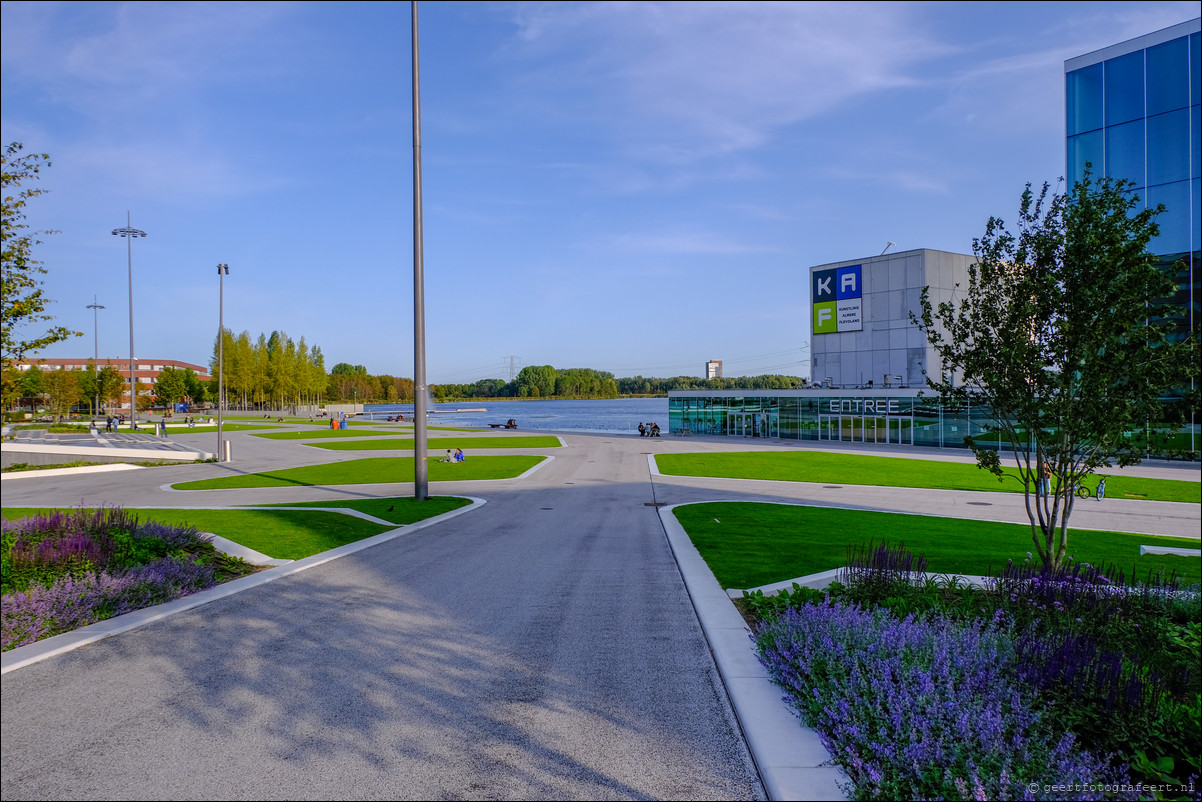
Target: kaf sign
(838, 296)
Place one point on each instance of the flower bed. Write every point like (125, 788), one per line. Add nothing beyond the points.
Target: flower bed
(1045, 685)
(67, 570)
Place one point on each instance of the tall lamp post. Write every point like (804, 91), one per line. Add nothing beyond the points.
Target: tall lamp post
(222, 272)
(421, 478)
(130, 235)
(95, 307)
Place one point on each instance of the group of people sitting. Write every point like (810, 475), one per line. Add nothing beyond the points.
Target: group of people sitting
(649, 430)
(454, 456)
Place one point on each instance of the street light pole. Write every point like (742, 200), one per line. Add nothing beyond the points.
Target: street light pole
(222, 272)
(130, 234)
(95, 307)
(420, 470)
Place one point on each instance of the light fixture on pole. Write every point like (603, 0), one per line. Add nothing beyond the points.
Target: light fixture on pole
(130, 234)
(95, 307)
(222, 272)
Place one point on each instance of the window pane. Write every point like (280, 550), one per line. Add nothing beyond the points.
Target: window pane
(1081, 149)
(1125, 88)
(1168, 76)
(1169, 146)
(1175, 221)
(1196, 140)
(1125, 152)
(1084, 96)
(1195, 68)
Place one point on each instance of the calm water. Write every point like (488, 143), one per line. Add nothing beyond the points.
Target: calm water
(603, 415)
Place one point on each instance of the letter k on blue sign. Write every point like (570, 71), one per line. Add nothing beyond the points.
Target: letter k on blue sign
(824, 285)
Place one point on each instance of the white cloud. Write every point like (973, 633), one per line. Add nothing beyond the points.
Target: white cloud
(685, 81)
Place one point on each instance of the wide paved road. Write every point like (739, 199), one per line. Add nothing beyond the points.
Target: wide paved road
(539, 647)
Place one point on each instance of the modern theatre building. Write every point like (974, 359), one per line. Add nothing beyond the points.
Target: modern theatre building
(1132, 111)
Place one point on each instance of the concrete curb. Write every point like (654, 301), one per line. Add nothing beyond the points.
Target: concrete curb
(115, 466)
(791, 759)
(108, 452)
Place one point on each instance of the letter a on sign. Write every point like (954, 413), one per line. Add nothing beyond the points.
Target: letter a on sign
(849, 282)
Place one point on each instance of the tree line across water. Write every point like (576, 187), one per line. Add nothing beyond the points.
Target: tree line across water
(273, 371)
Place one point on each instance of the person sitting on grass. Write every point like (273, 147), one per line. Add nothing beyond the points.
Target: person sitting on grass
(459, 455)
(450, 457)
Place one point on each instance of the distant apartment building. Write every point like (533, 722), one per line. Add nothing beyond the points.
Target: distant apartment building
(713, 369)
(146, 371)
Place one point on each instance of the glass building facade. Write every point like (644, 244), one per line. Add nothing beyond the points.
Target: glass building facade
(1132, 112)
(884, 417)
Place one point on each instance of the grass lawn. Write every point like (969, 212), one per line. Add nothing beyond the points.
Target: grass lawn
(443, 443)
(856, 469)
(206, 429)
(326, 432)
(291, 534)
(374, 470)
(748, 544)
(398, 509)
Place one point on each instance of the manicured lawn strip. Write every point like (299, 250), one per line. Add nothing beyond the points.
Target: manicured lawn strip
(443, 443)
(374, 470)
(327, 432)
(857, 469)
(206, 429)
(399, 509)
(748, 544)
(281, 535)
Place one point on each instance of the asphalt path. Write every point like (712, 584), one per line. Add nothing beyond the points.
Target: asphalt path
(541, 646)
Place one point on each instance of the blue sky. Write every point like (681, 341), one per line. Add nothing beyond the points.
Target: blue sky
(631, 187)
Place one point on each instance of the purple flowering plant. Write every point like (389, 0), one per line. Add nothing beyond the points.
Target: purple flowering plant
(923, 687)
(69, 569)
(920, 708)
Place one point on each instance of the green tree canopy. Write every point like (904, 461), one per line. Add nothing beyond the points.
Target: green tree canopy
(110, 384)
(24, 303)
(1059, 335)
(171, 384)
(62, 390)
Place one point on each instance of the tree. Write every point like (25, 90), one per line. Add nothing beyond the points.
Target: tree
(1061, 339)
(23, 300)
(171, 385)
(110, 385)
(31, 383)
(62, 391)
(536, 381)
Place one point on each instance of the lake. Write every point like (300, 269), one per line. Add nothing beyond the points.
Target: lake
(592, 415)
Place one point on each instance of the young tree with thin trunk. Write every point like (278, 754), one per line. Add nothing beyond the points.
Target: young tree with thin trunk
(1062, 335)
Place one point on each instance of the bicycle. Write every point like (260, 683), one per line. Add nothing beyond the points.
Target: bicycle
(1099, 494)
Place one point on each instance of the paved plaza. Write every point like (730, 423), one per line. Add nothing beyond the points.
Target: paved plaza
(557, 641)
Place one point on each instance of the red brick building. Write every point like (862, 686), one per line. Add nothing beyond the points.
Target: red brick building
(146, 371)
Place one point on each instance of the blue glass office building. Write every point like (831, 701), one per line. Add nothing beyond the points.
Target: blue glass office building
(1132, 112)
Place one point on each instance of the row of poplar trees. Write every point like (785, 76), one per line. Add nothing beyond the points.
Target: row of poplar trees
(272, 370)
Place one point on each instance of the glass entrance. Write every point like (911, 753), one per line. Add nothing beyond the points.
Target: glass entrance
(753, 424)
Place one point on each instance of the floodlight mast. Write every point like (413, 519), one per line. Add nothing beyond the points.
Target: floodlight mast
(95, 306)
(131, 234)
